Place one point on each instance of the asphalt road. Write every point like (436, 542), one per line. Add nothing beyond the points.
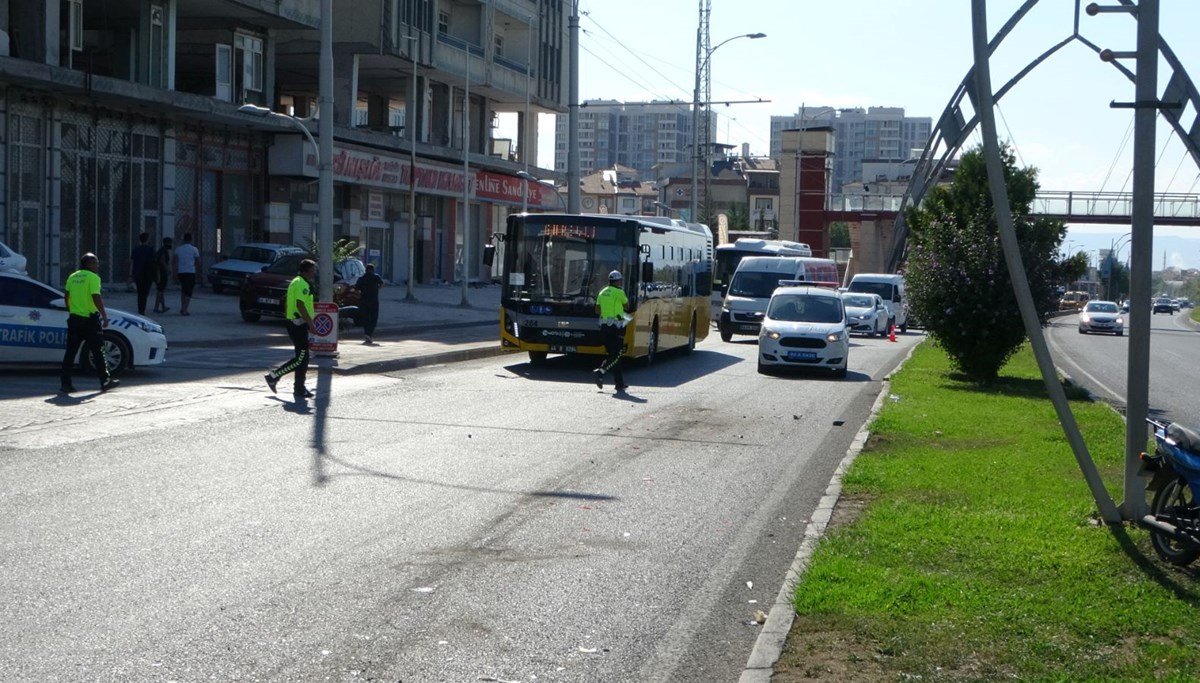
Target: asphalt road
(486, 520)
(1099, 363)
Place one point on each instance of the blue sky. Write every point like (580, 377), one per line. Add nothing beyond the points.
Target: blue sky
(907, 54)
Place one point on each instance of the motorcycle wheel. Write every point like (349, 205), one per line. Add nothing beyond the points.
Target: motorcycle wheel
(1172, 502)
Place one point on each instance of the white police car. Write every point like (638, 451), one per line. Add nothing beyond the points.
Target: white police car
(804, 327)
(33, 329)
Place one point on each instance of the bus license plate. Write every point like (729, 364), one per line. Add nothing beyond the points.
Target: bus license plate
(562, 349)
(268, 300)
(801, 355)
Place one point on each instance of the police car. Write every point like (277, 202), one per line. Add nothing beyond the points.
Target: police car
(33, 329)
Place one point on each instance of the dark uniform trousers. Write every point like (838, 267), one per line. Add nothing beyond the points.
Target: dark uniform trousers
(614, 344)
(88, 332)
(299, 363)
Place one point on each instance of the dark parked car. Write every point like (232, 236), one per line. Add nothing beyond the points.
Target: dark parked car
(246, 260)
(265, 292)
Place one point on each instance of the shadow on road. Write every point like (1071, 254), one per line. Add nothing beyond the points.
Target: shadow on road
(672, 369)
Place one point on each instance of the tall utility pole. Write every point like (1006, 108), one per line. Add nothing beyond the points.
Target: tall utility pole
(573, 176)
(700, 140)
(325, 168)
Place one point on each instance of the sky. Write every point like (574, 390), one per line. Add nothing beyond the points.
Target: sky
(914, 54)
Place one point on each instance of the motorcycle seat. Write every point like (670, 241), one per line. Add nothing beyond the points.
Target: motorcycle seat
(1188, 439)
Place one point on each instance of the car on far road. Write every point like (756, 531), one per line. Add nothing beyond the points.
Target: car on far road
(1125, 306)
(1073, 301)
(865, 313)
(1176, 304)
(804, 327)
(1101, 316)
(33, 330)
(1163, 305)
(265, 293)
(11, 260)
(1185, 303)
(246, 260)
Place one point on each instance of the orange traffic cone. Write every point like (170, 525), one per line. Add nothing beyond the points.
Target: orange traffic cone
(891, 333)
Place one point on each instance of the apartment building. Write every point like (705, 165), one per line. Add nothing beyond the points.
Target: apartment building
(639, 136)
(859, 134)
(122, 117)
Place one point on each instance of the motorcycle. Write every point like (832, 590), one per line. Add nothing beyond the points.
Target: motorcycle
(1174, 519)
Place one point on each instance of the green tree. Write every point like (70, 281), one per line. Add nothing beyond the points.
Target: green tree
(738, 215)
(342, 249)
(1072, 269)
(958, 282)
(839, 235)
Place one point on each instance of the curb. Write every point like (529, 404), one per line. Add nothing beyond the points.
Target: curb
(491, 349)
(768, 648)
(269, 335)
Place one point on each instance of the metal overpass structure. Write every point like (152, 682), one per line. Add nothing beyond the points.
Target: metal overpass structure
(1110, 208)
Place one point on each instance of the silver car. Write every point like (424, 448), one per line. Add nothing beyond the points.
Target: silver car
(865, 313)
(1101, 316)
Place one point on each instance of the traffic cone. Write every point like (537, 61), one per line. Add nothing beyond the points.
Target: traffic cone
(891, 333)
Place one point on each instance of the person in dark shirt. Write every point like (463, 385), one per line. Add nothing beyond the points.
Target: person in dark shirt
(143, 270)
(163, 259)
(368, 287)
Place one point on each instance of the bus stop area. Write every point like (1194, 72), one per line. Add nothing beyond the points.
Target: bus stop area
(435, 329)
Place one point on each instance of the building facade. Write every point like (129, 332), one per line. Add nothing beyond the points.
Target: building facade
(640, 136)
(124, 116)
(859, 134)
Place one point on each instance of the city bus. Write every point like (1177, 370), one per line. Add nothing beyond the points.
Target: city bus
(730, 255)
(554, 265)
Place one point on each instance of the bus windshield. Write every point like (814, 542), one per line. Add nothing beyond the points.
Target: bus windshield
(563, 262)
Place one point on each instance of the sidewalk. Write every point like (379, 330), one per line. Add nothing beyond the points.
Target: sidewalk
(434, 329)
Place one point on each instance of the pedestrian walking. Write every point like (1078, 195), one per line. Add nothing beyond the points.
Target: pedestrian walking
(85, 323)
(368, 287)
(162, 258)
(611, 305)
(143, 270)
(187, 267)
(299, 323)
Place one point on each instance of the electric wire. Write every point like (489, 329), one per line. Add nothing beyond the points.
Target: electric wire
(1011, 139)
(1112, 166)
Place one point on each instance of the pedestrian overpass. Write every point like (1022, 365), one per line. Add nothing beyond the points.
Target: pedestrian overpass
(1110, 208)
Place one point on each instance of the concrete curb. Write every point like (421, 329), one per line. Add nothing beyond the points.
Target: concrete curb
(464, 353)
(768, 648)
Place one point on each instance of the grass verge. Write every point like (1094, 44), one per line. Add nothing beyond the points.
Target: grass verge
(973, 550)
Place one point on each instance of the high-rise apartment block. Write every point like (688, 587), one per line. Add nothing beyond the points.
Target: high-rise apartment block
(859, 134)
(639, 136)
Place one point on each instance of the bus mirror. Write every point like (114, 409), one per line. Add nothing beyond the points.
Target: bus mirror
(647, 271)
(489, 254)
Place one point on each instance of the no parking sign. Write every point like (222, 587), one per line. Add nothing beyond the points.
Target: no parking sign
(325, 320)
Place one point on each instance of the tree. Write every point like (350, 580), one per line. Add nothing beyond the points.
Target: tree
(957, 279)
(839, 235)
(1072, 269)
(738, 215)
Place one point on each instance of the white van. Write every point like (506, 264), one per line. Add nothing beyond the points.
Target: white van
(890, 288)
(755, 280)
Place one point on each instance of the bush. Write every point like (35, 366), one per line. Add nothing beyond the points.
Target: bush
(957, 279)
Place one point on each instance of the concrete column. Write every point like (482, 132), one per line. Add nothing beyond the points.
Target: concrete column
(345, 89)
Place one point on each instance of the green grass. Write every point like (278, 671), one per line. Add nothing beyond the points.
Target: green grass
(978, 555)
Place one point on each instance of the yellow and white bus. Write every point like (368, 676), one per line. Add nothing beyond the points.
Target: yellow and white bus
(554, 265)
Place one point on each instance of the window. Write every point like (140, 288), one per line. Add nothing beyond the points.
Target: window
(443, 22)
(499, 45)
(249, 50)
(224, 73)
(76, 25)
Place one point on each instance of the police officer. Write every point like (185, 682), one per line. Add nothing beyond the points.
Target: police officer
(611, 305)
(300, 322)
(86, 323)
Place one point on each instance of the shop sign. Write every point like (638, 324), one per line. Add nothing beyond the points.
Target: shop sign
(374, 206)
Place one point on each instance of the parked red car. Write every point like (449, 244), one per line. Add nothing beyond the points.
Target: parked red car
(266, 292)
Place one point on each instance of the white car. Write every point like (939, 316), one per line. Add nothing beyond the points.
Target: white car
(865, 313)
(33, 329)
(11, 260)
(1101, 316)
(804, 327)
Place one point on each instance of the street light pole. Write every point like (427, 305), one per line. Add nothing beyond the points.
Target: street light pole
(256, 110)
(410, 123)
(697, 153)
(325, 164)
(466, 217)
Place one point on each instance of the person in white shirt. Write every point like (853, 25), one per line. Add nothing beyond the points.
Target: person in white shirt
(187, 266)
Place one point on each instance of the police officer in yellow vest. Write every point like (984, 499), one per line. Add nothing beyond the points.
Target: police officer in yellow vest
(299, 313)
(611, 305)
(85, 323)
